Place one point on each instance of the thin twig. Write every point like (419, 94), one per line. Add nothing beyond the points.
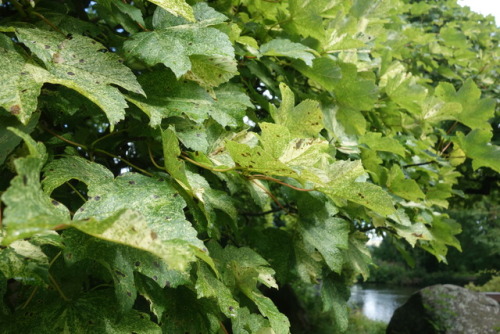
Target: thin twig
(56, 286)
(105, 136)
(76, 191)
(145, 172)
(52, 25)
(261, 213)
(419, 164)
(64, 139)
(30, 298)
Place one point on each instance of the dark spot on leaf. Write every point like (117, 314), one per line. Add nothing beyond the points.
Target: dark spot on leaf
(176, 194)
(129, 293)
(131, 182)
(137, 263)
(93, 42)
(25, 180)
(69, 36)
(119, 273)
(97, 82)
(54, 202)
(167, 218)
(34, 42)
(190, 43)
(120, 61)
(154, 235)
(71, 73)
(24, 73)
(156, 264)
(155, 277)
(103, 50)
(167, 284)
(231, 308)
(69, 256)
(220, 75)
(47, 46)
(97, 198)
(82, 60)
(81, 209)
(156, 196)
(15, 109)
(361, 195)
(250, 166)
(24, 91)
(204, 249)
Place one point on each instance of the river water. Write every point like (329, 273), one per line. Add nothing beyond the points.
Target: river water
(379, 302)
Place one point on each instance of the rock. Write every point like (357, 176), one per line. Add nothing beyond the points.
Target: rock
(446, 309)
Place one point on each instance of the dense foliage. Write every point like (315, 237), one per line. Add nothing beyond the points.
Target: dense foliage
(166, 165)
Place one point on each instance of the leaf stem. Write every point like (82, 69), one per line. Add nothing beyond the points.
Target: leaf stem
(105, 136)
(152, 158)
(269, 178)
(270, 195)
(183, 156)
(44, 19)
(64, 139)
(76, 191)
(145, 172)
(58, 288)
(30, 298)
(19, 8)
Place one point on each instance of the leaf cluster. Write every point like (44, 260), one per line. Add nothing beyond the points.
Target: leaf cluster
(168, 165)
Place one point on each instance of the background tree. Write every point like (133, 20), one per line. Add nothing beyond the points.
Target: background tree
(167, 165)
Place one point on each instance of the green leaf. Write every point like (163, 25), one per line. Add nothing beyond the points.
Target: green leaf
(304, 120)
(25, 262)
(176, 7)
(171, 152)
(475, 112)
(248, 323)
(335, 294)
(245, 267)
(354, 91)
(28, 209)
(358, 256)
(185, 47)
(329, 237)
(324, 71)
(208, 286)
(88, 313)
(131, 229)
(8, 140)
(343, 184)
(120, 13)
(476, 146)
(287, 48)
(121, 261)
(168, 97)
(191, 315)
(84, 65)
(59, 171)
(376, 142)
(402, 186)
(403, 88)
(20, 88)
